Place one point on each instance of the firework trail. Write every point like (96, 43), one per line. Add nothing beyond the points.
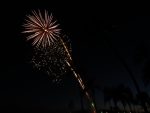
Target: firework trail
(51, 52)
(78, 77)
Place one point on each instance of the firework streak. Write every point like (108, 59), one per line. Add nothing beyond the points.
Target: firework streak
(78, 77)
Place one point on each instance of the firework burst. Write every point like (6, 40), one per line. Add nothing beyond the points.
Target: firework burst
(54, 58)
(42, 29)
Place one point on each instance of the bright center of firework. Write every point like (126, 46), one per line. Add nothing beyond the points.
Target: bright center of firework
(46, 30)
(43, 30)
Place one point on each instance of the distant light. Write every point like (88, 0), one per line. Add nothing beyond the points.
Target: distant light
(101, 112)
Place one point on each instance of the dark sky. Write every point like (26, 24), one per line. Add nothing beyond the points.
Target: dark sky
(88, 26)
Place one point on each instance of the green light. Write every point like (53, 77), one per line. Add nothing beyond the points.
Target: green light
(92, 104)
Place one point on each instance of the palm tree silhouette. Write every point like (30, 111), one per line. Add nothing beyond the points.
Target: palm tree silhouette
(111, 94)
(126, 96)
(107, 96)
(128, 70)
(119, 94)
(145, 97)
(141, 56)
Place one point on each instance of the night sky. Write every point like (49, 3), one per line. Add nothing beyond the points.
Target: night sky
(88, 26)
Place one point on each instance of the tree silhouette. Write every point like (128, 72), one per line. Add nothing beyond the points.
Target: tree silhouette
(111, 94)
(126, 96)
(125, 65)
(145, 97)
(142, 56)
(119, 94)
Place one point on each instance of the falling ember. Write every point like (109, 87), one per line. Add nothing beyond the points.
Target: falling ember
(42, 30)
(51, 60)
(54, 58)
